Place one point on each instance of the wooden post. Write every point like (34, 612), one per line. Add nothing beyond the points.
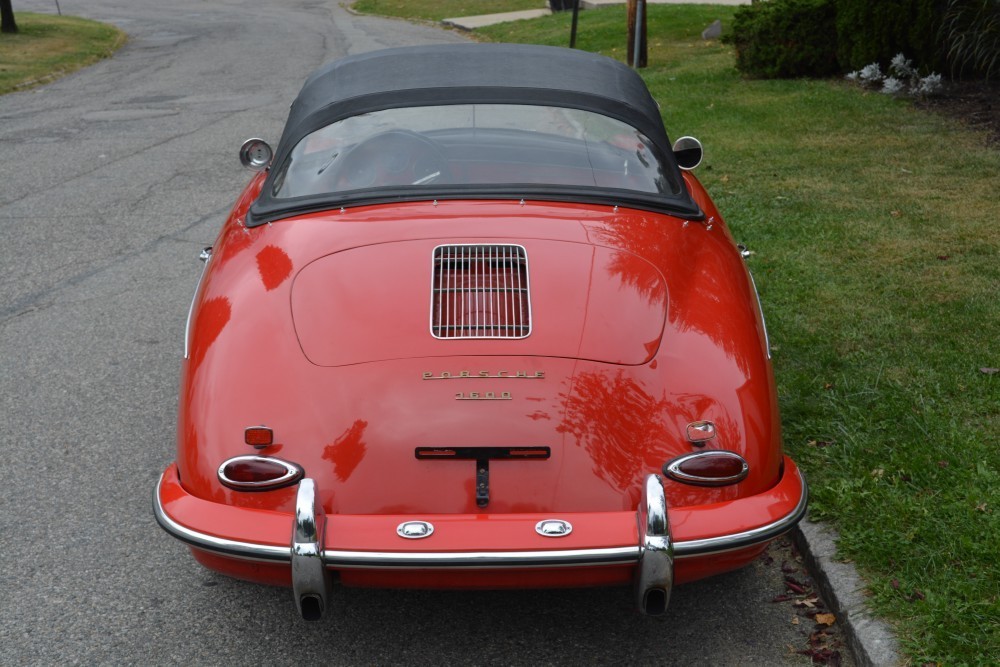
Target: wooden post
(636, 10)
(572, 31)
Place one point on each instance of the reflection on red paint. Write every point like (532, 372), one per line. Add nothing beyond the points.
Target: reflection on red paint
(347, 451)
(232, 245)
(274, 266)
(619, 424)
(639, 274)
(707, 296)
(213, 316)
(642, 237)
(627, 432)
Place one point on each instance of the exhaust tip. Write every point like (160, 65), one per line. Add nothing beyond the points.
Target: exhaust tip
(654, 603)
(311, 607)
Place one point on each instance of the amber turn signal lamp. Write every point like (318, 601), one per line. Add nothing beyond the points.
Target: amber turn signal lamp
(258, 473)
(712, 468)
(258, 437)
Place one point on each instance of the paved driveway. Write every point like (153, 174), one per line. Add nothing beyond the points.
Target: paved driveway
(111, 180)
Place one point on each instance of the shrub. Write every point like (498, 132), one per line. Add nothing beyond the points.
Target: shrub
(875, 30)
(903, 79)
(785, 38)
(971, 35)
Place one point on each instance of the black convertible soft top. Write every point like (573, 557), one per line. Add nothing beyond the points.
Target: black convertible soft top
(467, 74)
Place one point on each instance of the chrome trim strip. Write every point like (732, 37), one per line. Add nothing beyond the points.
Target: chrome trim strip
(205, 256)
(749, 538)
(234, 548)
(482, 559)
(496, 559)
(760, 309)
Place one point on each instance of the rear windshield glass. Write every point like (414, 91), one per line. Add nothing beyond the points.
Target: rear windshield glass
(473, 144)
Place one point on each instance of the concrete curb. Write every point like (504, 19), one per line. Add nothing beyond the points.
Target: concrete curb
(871, 641)
(482, 20)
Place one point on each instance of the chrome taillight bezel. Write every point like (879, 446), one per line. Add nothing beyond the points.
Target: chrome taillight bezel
(292, 474)
(672, 469)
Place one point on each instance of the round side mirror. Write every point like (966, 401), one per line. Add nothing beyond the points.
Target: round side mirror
(255, 154)
(688, 153)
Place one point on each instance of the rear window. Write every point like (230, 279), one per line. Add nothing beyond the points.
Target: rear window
(473, 144)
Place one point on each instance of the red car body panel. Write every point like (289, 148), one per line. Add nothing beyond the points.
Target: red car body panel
(627, 418)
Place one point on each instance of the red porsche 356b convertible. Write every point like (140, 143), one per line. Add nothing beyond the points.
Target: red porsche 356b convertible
(475, 324)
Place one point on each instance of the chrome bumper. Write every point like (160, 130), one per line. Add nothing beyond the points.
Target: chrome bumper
(654, 554)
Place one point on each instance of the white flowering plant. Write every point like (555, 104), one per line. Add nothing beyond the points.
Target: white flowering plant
(903, 79)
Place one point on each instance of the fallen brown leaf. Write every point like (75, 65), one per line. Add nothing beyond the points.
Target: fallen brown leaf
(817, 638)
(823, 656)
(809, 603)
(825, 619)
(795, 586)
(820, 443)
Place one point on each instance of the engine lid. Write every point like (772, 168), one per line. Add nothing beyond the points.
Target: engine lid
(422, 298)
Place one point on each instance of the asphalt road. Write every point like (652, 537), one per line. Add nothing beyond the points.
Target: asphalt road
(111, 180)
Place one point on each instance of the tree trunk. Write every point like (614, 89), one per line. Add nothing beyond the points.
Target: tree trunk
(7, 23)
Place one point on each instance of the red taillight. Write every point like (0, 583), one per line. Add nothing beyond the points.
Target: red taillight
(258, 473)
(712, 468)
(258, 436)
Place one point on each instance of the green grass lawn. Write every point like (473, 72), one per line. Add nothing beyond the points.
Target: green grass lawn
(47, 47)
(876, 229)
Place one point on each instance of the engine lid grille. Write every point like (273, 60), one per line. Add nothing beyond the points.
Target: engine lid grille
(480, 291)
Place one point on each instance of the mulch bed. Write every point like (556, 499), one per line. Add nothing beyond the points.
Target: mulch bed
(975, 103)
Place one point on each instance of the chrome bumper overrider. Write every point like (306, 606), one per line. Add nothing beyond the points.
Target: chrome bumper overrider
(310, 578)
(654, 554)
(655, 575)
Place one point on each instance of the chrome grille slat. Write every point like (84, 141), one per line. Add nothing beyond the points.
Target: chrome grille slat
(480, 291)
(501, 308)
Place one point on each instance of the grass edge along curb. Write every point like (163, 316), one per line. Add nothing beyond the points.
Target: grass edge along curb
(67, 44)
(872, 641)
